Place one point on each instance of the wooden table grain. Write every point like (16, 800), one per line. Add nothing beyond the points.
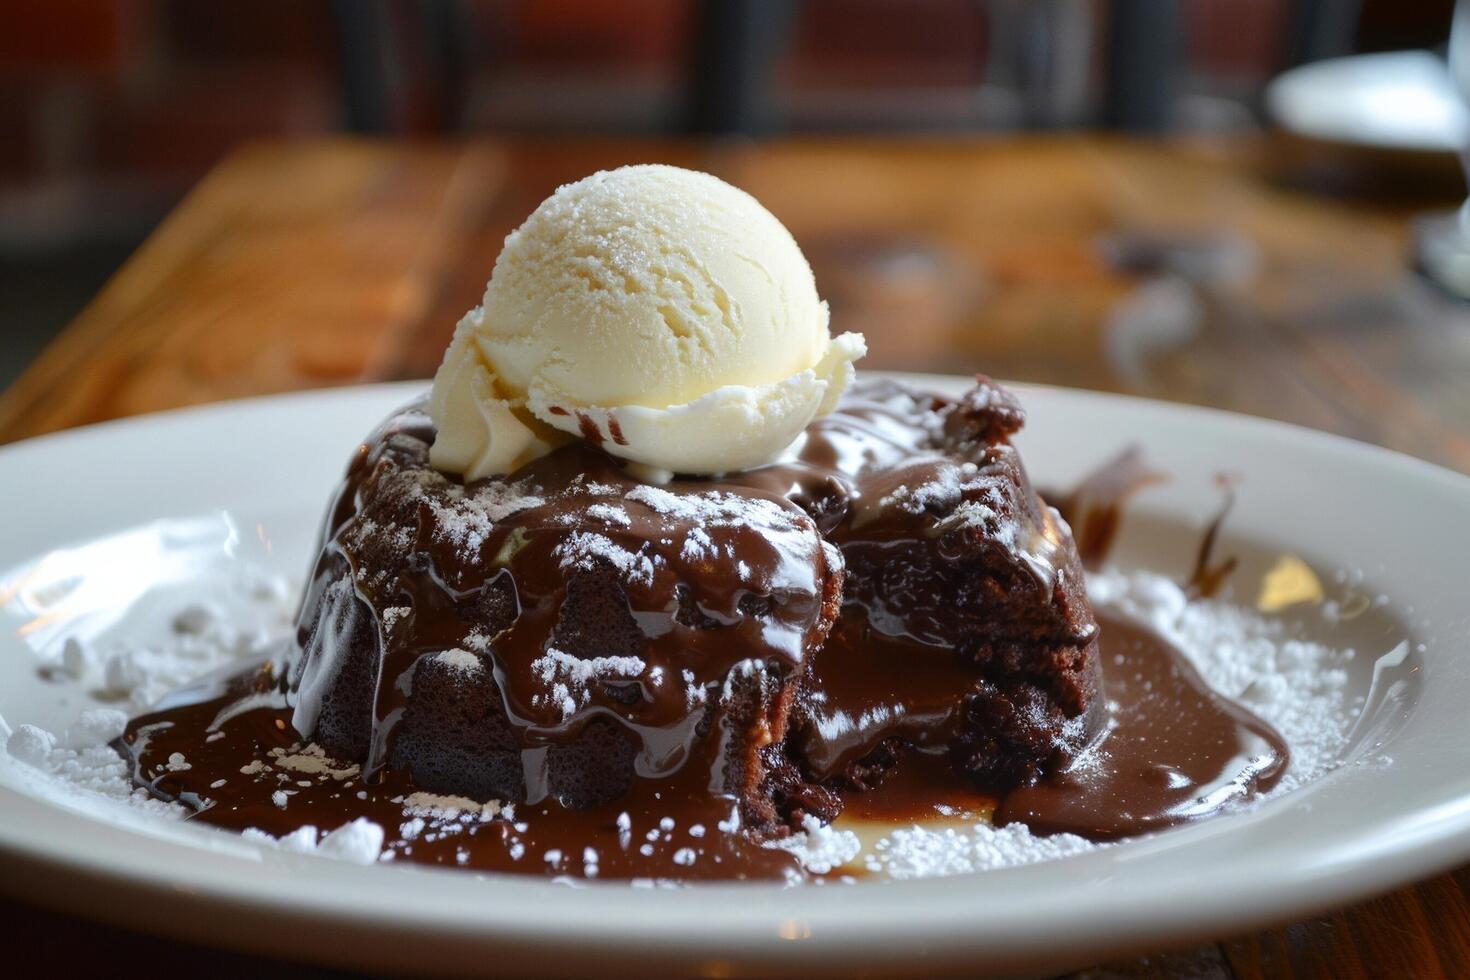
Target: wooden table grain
(1193, 271)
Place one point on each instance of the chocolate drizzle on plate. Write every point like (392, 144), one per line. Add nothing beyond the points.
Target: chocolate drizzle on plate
(1095, 506)
(1208, 576)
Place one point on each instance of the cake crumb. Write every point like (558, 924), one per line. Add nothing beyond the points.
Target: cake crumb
(312, 760)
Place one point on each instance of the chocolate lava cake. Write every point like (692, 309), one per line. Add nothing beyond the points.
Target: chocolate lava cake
(892, 585)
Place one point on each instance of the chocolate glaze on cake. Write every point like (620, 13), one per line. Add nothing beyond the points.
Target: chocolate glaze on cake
(559, 633)
(965, 628)
(567, 629)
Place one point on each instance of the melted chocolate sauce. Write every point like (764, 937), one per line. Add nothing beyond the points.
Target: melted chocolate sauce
(1208, 576)
(570, 595)
(1095, 506)
(1094, 510)
(1173, 752)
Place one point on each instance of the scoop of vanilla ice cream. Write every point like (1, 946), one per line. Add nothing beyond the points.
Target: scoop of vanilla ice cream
(660, 312)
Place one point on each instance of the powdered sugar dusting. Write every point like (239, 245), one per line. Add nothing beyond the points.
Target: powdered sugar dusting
(312, 760)
(571, 677)
(698, 546)
(940, 492)
(358, 842)
(435, 806)
(465, 518)
(608, 514)
(714, 508)
(459, 660)
(820, 849)
(82, 776)
(585, 549)
(920, 852)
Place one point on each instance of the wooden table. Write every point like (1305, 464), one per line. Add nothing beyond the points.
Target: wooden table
(1186, 271)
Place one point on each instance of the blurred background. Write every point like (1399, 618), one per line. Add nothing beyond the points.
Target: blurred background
(112, 109)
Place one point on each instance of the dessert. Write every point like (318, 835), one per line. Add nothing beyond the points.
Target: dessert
(893, 584)
(646, 555)
(550, 625)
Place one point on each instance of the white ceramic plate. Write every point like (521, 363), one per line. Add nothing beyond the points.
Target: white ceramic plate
(1402, 525)
(1397, 100)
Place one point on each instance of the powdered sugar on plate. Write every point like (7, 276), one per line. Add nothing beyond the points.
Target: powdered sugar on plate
(360, 841)
(932, 852)
(820, 849)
